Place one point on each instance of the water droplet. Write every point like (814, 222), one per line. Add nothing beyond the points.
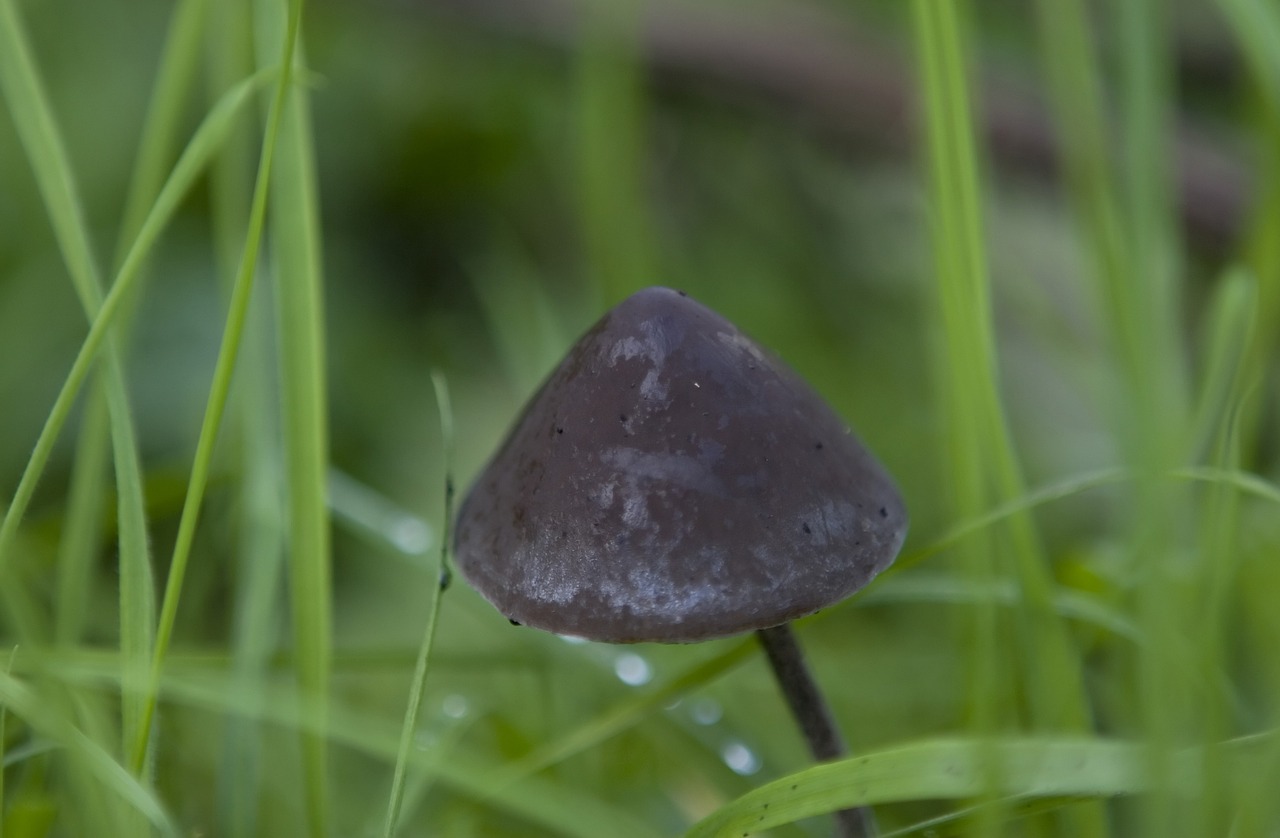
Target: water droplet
(410, 535)
(740, 759)
(571, 639)
(455, 706)
(706, 711)
(632, 669)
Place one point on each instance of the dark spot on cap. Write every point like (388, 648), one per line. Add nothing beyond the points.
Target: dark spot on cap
(682, 530)
(513, 622)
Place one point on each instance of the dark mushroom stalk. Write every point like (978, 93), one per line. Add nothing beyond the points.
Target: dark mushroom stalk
(674, 482)
(812, 714)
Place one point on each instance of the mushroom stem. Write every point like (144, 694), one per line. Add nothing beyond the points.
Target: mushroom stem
(813, 715)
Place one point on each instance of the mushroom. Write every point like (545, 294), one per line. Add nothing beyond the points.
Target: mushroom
(673, 482)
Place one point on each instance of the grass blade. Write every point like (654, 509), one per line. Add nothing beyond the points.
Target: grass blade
(437, 583)
(44, 145)
(86, 502)
(17, 697)
(1050, 673)
(164, 114)
(259, 559)
(952, 769)
(295, 230)
(205, 142)
(214, 411)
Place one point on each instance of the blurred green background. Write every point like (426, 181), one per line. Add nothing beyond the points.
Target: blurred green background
(489, 177)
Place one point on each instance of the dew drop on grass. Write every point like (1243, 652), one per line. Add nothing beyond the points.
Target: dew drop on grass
(410, 535)
(455, 706)
(740, 759)
(632, 670)
(706, 711)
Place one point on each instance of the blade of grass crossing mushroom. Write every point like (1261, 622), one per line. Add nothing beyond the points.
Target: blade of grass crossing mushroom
(816, 721)
(300, 337)
(947, 769)
(436, 585)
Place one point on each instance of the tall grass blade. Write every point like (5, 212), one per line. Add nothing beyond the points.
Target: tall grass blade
(259, 559)
(948, 769)
(971, 394)
(214, 411)
(560, 808)
(203, 144)
(23, 702)
(295, 230)
(78, 550)
(437, 583)
(45, 148)
(1134, 272)
(174, 80)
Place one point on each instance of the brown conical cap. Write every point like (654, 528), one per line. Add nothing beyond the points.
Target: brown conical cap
(672, 481)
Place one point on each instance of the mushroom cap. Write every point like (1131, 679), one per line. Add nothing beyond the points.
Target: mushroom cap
(672, 481)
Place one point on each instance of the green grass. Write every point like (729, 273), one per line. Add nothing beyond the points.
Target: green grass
(226, 505)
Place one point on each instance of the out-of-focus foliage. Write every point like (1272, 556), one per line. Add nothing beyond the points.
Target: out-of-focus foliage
(488, 178)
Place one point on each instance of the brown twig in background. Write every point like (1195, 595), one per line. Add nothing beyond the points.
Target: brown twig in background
(856, 90)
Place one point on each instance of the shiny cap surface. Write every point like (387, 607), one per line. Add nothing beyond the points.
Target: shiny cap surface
(672, 481)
